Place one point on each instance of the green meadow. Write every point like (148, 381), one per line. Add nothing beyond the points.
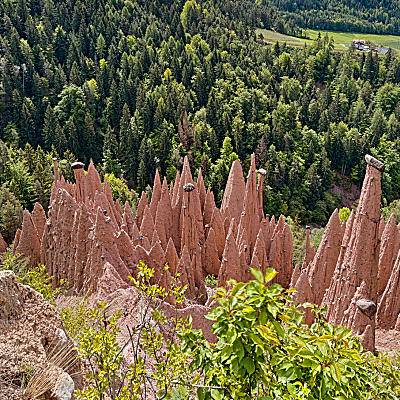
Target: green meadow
(342, 39)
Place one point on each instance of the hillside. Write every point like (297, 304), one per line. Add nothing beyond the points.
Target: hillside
(113, 81)
(369, 16)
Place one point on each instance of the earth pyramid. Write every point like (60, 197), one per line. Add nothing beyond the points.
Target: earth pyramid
(88, 236)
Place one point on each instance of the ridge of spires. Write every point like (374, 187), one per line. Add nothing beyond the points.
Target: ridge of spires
(86, 232)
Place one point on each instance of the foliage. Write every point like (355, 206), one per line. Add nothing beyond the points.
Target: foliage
(35, 277)
(211, 281)
(75, 317)
(316, 237)
(341, 15)
(392, 208)
(299, 240)
(265, 351)
(117, 89)
(120, 190)
(10, 214)
(344, 214)
(108, 377)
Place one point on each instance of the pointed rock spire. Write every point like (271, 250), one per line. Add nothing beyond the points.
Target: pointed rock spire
(232, 202)
(128, 221)
(209, 206)
(3, 245)
(211, 261)
(171, 257)
(29, 243)
(39, 219)
(230, 265)
(322, 267)
(356, 278)
(92, 182)
(390, 243)
(389, 305)
(156, 195)
(201, 189)
(140, 208)
(147, 226)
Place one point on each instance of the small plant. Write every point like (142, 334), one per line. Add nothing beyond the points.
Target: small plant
(35, 277)
(211, 281)
(344, 214)
(76, 317)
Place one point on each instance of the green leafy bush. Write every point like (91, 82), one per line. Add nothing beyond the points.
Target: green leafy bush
(35, 277)
(344, 214)
(265, 351)
(108, 376)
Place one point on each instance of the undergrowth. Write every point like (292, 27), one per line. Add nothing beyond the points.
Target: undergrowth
(35, 277)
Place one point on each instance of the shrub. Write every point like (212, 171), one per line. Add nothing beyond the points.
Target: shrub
(108, 376)
(35, 277)
(265, 351)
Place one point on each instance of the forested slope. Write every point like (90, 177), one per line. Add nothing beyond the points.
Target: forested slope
(110, 80)
(369, 16)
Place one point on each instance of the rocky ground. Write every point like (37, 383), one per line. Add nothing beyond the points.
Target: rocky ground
(31, 336)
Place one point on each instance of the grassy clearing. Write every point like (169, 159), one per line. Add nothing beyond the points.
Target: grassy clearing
(340, 38)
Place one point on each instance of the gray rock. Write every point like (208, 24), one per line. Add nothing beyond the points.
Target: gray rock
(64, 388)
(188, 187)
(379, 165)
(77, 165)
(367, 307)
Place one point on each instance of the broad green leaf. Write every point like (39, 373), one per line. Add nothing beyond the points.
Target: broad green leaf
(249, 365)
(257, 274)
(215, 394)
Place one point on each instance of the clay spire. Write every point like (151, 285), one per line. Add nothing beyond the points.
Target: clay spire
(201, 189)
(156, 195)
(79, 174)
(259, 253)
(211, 261)
(304, 294)
(388, 253)
(281, 253)
(92, 182)
(29, 243)
(3, 245)
(163, 221)
(218, 227)
(323, 265)
(39, 219)
(260, 190)
(355, 281)
(250, 218)
(230, 265)
(171, 257)
(147, 226)
(295, 276)
(232, 202)
(209, 206)
(186, 277)
(186, 176)
(140, 209)
(128, 221)
(389, 305)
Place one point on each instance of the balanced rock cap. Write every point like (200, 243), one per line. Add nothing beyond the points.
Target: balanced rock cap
(262, 171)
(379, 165)
(77, 165)
(188, 187)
